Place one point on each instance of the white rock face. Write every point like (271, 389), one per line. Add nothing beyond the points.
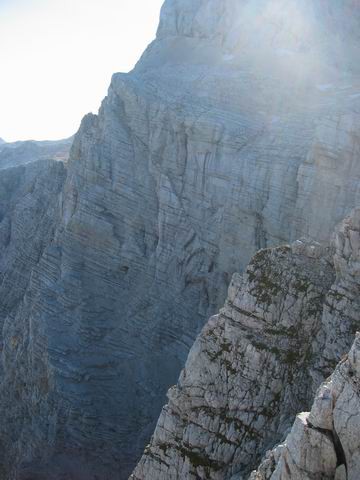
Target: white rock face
(324, 443)
(283, 325)
(219, 143)
(306, 454)
(285, 27)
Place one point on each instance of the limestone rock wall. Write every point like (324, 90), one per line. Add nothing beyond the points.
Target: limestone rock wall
(285, 324)
(29, 212)
(324, 443)
(29, 203)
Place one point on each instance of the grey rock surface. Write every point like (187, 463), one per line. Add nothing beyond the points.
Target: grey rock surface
(29, 212)
(29, 197)
(258, 363)
(220, 142)
(324, 443)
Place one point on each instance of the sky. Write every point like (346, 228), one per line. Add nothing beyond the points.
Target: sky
(57, 58)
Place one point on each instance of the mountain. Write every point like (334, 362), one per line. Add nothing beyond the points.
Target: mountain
(21, 153)
(237, 130)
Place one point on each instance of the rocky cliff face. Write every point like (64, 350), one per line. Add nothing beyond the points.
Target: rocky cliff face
(285, 324)
(29, 211)
(219, 143)
(28, 199)
(31, 181)
(325, 442)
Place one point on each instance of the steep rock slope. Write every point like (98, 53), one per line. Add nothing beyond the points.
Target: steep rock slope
(324, 443)
(259, 362)
(31, 181)
(29, 200)
(29, 212)
(219, 143)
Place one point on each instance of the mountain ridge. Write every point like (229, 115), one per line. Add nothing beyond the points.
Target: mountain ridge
(13, 154)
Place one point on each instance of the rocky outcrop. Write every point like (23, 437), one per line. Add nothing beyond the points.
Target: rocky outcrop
(259, 362)
(215, 146)
(324, 443)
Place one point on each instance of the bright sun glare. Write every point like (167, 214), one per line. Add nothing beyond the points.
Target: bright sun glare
(57, 58)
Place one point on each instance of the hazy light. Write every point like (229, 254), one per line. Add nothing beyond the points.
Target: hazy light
(57, 58)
